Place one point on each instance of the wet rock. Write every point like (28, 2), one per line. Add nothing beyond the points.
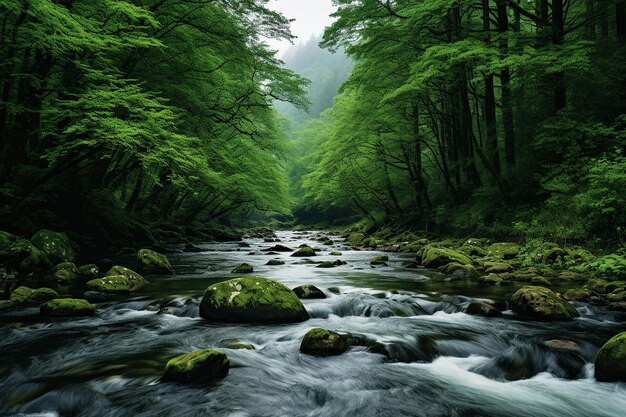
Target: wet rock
(331, 264)
(334, 290)
(610, 362)
(308, 291)
(151, 261)
(6, 305)
(492, 279)
(497, 268)
(565, 345)
(540, 303)
(28, 296)
(379, 260)
(460, 271)
(89, 271)
(275, 262)
(570, 276)
(505, 250)
(243, 269)
(434, 257)
(304, 251)
(541, 281)
(197, 366)
(252, 299)
(21, 255)
(67, 307)
(323, 342)
(55, 245)
(278, 248)
(118, 280)
(65, 272)
(576, 294)
(335, 253)
(482, 309)
(235, 344)
(135, 278)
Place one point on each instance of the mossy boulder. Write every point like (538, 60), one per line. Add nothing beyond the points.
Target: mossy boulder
(323, 342)
(304, 251)
(308, 291)
(504, 250)
(541, 303)
(55, 245)
(114, 284)
(275, 262)
(152, 261)
(610, 362)
(492, 279)
(198, 366)
(379, 260)
(89, 271)
(252, 299)
(577, 294)
(331, 264)
(497, 267)
(278, 248)
(7, 239)
(23, 256)
(243, 269)
(335, 253)
(472, 250)
(136, 280)
(28, 296)
(459, 271)
(65, 272)
(434, 257)
(67, 307)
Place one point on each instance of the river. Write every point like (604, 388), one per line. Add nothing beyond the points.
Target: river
(425, 357)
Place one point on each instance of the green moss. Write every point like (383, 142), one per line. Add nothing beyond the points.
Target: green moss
(320, 341)
(460, 271)
(135, 279)
(116, 284)
(336, 253)
(43, 294)
(197, 366)
(25, 295)
(331, 264)
(379, 260)
(355, 239)
(55, 245)
(6, 239)
(89, 270)
(236, 344)
(434, 257)
(23, 256)
(67, 307)
(541, 303)
(65, 272)
(275, 262)
(251, 299)
(21, 294)
(610, 363)
(504, 250)
(154, 261)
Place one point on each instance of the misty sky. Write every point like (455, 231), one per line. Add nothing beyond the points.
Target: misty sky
(311, 18)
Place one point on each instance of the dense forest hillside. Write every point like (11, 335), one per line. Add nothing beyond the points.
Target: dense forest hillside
(114, 114)
(494, 117)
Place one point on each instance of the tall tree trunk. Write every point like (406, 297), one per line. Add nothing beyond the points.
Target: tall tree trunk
(490, 100)
(505, 82)
(558, 38)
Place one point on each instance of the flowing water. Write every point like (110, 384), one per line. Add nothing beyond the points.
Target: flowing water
(423, 356)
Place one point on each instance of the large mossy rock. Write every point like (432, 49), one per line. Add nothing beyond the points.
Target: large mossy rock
(65, 272)
(610, 363)
(136, 279)
(197, 366)
(323, 342)
(252, 299)
(28, 296)
(434, 257)
(152, 261)
(55, 245)
(504, 250)
(459, 271)
(118, 280)
(304, 251)
(23, 256)
(541, 303)
(67, 307)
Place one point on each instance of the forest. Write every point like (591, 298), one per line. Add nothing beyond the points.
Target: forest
(418, 211)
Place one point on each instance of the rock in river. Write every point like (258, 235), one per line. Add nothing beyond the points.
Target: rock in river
(323, 342)
(154, 261)
(243, 269)
(304, 251)
(541, 303)
(308, 291)
(610, 363)
(197, 366)
(55, 245)
(434, 257)
(250, 300)
(67, 307)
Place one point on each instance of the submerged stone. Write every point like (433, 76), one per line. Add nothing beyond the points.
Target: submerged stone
(275, 262)
(331, 264)
(235, 344)
(154, 261)
(67, 307)
(541, 304)
(197, 366)
(323, 342)
(252, 299)
(610, 362)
